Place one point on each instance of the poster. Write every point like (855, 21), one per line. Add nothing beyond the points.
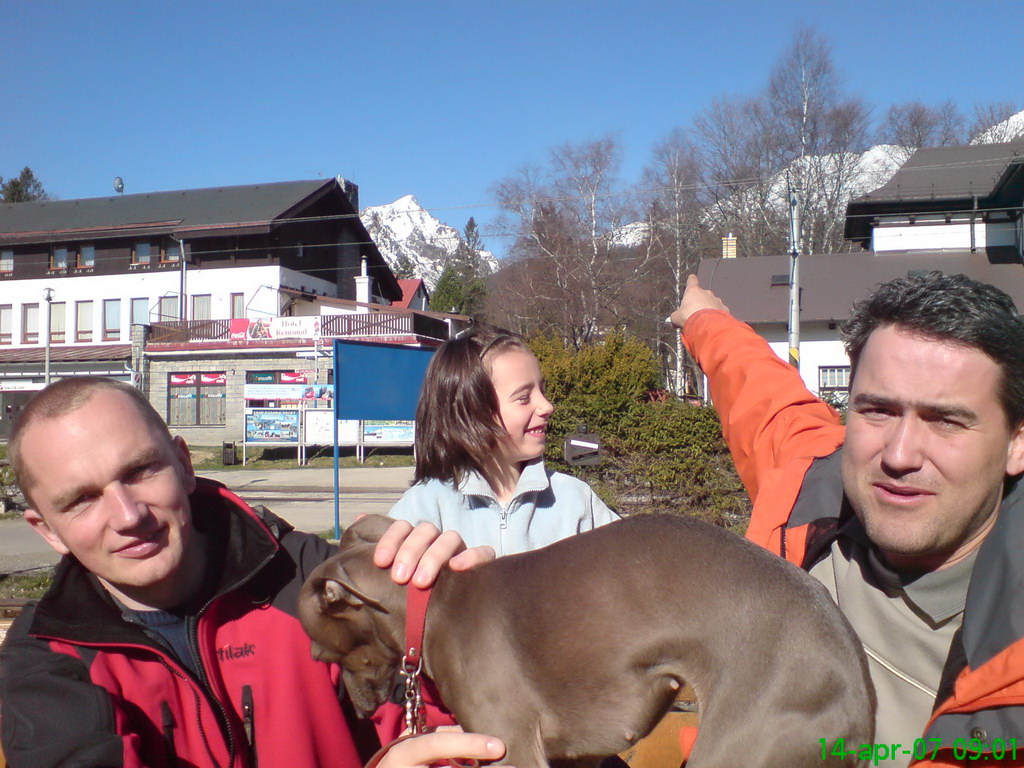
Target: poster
(389, 431)
(271, 425)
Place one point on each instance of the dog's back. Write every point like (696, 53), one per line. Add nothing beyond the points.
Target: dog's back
(577, 650)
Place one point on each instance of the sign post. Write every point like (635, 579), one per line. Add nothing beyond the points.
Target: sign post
(374, 382)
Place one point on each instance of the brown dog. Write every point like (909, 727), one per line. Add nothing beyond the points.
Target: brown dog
(576, 651)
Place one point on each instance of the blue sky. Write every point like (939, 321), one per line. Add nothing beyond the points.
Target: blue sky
(433, 98)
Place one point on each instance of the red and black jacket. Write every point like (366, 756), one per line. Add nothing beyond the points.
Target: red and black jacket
(80, 686)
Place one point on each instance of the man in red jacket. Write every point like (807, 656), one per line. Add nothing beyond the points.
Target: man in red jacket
(169, 637)
(911, 516)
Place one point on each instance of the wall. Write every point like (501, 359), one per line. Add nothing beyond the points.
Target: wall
(819, 347)
(939, 235)
(258, 284)
(235, 365)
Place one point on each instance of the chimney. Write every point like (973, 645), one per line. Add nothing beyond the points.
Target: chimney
(729, 246)
(364, 285)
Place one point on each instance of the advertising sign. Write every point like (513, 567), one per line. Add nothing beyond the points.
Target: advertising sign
(288, 391)
(320, 431)
(390, 431)
(271, 425)
(307, 327)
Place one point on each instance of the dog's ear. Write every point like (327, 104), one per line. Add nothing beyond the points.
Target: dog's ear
(340, 593)
(366, 530)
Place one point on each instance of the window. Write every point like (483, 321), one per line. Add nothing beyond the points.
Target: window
(140, 311)
(111, 319)
(6, 323)
(196, 398)
(834, 377)
(237, 305)
(172, 252)
(29, 323)
(141, 253)
(59, 258)
(6, 260)
(83, 321)
(167, 308)
(57, 329)
(201, 307)
(87, 256)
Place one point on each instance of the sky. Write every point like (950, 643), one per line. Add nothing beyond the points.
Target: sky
(438, 99)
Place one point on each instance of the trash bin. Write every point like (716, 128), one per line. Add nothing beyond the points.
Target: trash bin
(228, 454)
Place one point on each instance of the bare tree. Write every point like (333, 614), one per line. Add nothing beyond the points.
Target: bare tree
(670, 191)
(820, 136)
(738, 154)
(572, 269)
(992, 123)
(913, 125)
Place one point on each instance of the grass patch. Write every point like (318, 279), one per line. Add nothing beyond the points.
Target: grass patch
(284, 458)
(25, 585)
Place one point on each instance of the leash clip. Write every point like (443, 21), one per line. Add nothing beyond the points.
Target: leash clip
(411, 671)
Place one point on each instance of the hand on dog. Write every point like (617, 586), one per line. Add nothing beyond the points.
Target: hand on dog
(417, 555)
(443, 744)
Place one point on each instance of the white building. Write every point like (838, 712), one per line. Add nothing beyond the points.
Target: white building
(954, 209)
(148, 288)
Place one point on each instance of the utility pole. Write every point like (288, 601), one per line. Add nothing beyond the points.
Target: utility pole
(794, 277)
(48, 295)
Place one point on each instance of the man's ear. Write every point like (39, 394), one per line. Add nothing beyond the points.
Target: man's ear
(33, 518)
(1015, 454)
(184, 456)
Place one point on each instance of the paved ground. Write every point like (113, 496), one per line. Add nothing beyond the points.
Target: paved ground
(303, 496)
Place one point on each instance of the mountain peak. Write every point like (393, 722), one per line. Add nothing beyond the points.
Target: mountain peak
(407, 234)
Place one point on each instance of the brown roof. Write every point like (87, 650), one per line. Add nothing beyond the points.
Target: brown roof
(756, 289)
(944, 179)
(60, 353)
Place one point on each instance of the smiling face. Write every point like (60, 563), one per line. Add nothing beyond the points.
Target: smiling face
(112, 491)
(522, 407)
(927, 448)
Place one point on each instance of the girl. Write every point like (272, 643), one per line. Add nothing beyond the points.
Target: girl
(481, 424)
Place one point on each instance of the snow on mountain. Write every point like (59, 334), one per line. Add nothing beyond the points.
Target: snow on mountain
(408, 235)
(1010, 129)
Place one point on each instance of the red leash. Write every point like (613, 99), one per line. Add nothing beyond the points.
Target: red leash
(411, 671)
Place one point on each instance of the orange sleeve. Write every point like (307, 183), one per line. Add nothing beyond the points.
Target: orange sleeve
(769, 418)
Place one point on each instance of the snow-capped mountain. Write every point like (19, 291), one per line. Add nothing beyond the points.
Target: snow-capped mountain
(1010, 129)
(407, 234)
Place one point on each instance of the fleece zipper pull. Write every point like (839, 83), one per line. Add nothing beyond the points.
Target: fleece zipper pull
(249, 722)
(169, 726)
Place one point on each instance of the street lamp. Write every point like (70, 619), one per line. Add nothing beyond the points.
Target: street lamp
(48, 295)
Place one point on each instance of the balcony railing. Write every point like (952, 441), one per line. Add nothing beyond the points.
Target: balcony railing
(357, 325)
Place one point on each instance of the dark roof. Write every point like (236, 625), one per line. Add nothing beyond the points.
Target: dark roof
(831, 284)
(249, 207)
(944, 179)
(60, 353)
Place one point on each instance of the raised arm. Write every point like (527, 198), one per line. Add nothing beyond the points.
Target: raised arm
(768, 416)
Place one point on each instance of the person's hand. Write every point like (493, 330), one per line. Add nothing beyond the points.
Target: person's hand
(417, 555)
(421, 751)
(695, 299)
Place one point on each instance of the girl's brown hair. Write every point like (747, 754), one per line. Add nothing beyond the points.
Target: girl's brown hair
(457, 422)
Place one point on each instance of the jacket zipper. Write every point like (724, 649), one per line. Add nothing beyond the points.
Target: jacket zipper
(169, 725)
(219, 708)
(249, 723)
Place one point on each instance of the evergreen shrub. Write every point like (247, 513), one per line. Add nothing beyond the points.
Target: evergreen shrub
(660, 454)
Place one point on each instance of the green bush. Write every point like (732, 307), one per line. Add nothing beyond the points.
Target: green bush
(660, 454)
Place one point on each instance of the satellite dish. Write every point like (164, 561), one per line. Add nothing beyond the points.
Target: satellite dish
(119, 185)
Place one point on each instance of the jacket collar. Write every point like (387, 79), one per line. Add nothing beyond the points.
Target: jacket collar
(77, 607)
(534, 477)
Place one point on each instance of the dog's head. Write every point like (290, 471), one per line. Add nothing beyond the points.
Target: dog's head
(354, 613)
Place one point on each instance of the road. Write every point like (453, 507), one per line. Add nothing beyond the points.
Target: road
(304, 496)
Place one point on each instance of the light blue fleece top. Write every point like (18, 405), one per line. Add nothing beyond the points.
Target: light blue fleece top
(546, 506)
